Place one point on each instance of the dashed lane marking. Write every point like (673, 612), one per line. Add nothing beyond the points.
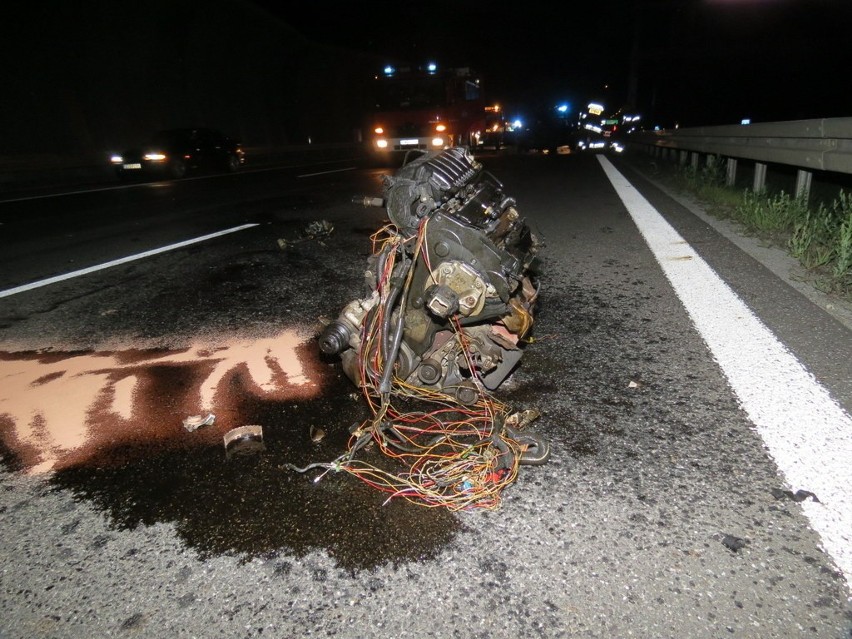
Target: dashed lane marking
(124, 260)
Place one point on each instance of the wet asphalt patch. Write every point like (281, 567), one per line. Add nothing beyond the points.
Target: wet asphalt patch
(252, 505)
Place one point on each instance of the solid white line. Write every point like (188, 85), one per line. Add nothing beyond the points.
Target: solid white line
(123, 260)
(805, 430)
(64, 193)
(348, 168)
(160, 183)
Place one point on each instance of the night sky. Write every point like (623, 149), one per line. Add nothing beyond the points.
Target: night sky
(689, 62)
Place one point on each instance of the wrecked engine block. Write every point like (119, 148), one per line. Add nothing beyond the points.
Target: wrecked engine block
(453, 286)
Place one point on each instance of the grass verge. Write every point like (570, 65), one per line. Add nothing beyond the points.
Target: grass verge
(818, 235)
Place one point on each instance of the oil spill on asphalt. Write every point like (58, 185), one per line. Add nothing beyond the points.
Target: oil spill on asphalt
(252, 505)
(108, 424)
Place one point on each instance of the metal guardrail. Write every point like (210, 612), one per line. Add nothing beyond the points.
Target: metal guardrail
(810, 145)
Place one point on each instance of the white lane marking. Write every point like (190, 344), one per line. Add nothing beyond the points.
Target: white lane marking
(348, 168)
(123, 260)
(156, 184)
(161, 183)
(97, 190)
(805, 430)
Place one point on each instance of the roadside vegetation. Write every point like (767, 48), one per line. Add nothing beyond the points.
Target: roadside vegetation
(817, 233)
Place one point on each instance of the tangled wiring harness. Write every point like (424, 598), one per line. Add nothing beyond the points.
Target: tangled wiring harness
(451, 290)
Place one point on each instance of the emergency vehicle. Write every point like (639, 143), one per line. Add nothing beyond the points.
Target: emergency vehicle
(426, 108)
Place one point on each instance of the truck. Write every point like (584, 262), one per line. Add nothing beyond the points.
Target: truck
(426, 108)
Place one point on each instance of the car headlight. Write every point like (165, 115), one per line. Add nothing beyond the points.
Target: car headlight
(382, 144)
(437, 142)
(116, 159)
(155, 157)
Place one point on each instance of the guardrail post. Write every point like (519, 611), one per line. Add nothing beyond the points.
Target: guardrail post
(731, 176)
(759, 177)
(803, 184)
(683, 157)
(694, 160)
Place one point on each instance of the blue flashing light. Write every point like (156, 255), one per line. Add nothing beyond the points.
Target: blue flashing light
(564, 108)
(431, 67)
(389, 70)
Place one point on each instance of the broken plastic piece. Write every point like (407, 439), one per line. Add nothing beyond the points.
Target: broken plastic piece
(194, 422)
(244, 440)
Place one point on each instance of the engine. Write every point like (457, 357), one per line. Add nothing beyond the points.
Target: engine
(463, 265)
(450, 295)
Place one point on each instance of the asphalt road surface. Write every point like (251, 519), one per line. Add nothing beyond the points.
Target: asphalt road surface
(696, 404)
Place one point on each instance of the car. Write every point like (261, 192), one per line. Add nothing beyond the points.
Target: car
(175, 152)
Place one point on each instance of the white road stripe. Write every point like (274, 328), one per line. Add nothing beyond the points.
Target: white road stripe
(348, 168)
(123, 260)
(806, 432)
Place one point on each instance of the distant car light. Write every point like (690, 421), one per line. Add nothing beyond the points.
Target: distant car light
(154, 157)
(378, 130)
(441, 127)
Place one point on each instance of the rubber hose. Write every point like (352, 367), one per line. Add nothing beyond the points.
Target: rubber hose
(538, 450)
(385, 385)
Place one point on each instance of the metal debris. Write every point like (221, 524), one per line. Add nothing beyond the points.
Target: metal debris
(194, 422)
(244, 440)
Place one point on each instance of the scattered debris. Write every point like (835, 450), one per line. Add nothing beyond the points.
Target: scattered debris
(315, 230)
(318, 228)
(733, 543)
(633, 384)
(194, 422)
(522, 419)
(244, 440)
(317, 434)
(799, 496)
